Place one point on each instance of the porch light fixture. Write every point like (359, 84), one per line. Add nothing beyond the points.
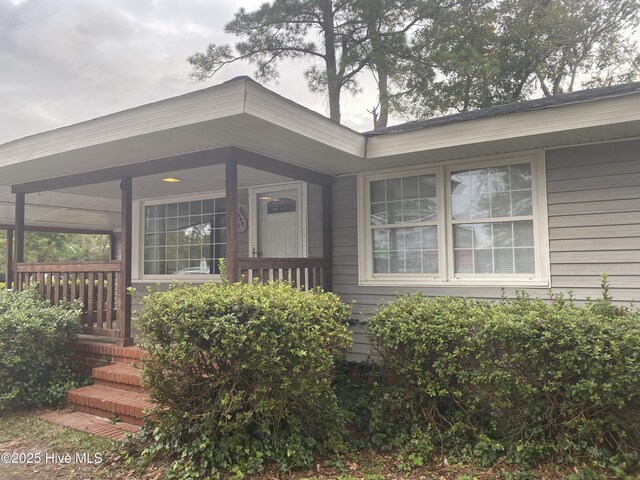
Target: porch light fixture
(171, 180)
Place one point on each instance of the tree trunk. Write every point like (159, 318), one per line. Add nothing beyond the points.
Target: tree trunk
(333, 84)
(543, 86)
(383, 98)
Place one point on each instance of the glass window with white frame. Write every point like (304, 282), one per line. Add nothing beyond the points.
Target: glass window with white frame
(488, 231)
(403, 224)
(492, 217)
(184, 238)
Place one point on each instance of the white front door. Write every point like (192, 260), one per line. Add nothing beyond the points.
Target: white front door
(279, 221)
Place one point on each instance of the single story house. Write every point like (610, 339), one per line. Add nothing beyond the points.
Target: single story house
(539, 195)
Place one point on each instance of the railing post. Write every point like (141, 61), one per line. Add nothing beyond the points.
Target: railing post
(19, 241)
(231, 189)
(124, 282)
(9, 277)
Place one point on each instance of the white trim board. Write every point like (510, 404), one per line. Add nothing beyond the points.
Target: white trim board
(607, 111)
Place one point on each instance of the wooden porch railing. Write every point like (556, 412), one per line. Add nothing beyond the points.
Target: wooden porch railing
(93, 284)
(302, 273)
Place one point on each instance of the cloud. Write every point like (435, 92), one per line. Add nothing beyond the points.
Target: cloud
(65, 61)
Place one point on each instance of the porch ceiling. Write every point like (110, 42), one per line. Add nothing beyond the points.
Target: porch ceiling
(195, 180)
(60, 209)
(98, 206)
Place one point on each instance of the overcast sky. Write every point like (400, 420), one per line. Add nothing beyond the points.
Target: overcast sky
(65, 61)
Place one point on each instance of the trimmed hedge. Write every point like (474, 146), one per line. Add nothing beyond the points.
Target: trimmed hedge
(35, 350)
(525, 379)
(242, 375)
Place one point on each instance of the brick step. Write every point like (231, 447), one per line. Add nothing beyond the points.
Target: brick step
(88, 354)
(118, 375)
(88, 423)
(109, 402)
(116, 353)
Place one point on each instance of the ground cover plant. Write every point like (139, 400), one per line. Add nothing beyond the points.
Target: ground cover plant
(35, 350)
(521, 380)
(26, 432)
(242, 376)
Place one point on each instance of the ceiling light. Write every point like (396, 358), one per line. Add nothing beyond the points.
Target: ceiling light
(171, 180)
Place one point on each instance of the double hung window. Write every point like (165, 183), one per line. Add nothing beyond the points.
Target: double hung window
(481, 222)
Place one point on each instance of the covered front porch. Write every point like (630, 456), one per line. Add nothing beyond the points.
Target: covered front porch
(224, 222)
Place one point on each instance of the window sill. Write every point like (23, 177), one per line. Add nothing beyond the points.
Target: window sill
(177, 278)
(456, 282)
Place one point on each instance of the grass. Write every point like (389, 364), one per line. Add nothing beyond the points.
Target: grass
(26, 433)
(22, 429)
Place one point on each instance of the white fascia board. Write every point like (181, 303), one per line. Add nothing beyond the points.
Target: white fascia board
(558, 119)
(220, 101)
(277, 110)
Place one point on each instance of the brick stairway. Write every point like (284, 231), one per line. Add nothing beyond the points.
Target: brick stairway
(115, 403)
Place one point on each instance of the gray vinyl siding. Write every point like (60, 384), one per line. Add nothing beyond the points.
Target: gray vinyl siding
(594, 218)
(314, 220)
(243, 238)
(593, 195)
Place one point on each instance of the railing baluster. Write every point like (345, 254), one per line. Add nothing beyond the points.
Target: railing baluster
(82, 288)
(109, 306)
(82, 296)
(100, 300)
(65, 287)
(48, 287)
(90, 298)
(56, 288)
(73, 296)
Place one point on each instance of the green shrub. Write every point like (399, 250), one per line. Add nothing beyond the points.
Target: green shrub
(527, 379)
(242, 375)
(35, 350)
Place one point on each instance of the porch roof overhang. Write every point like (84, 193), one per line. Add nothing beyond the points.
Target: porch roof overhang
(247, 116)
